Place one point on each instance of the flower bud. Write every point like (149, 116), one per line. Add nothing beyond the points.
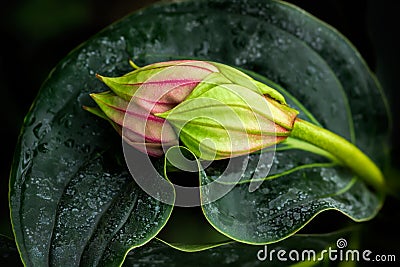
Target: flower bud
(216, 110)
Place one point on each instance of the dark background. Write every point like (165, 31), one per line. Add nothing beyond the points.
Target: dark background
(37, 34)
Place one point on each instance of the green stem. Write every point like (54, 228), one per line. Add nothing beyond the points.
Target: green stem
(348, 154)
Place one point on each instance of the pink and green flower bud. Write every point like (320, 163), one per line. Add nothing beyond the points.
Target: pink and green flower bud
(216, 110)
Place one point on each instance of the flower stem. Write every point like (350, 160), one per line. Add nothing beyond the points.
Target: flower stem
(347, 153)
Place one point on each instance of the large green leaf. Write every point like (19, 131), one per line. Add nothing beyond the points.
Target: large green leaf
(72, 199)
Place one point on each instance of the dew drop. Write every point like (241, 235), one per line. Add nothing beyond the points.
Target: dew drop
(68, 123)
(40, 130)
(69, 143)
(85, 148)
(43, 148)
